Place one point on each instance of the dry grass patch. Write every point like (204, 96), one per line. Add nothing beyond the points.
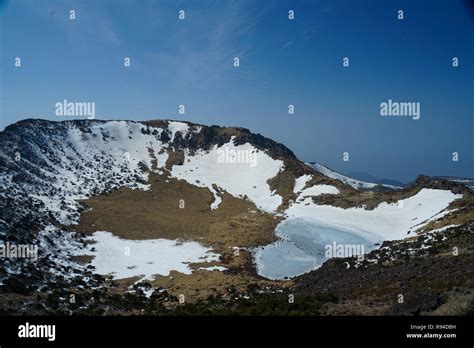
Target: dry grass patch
(159, 213)
(174, 157)
(202, 284)
(463, 214)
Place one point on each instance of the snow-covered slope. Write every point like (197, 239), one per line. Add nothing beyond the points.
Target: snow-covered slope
(357, 184)
(46, 167)
(57, 169)
(310, 227)
(240, 179)
(385, 222)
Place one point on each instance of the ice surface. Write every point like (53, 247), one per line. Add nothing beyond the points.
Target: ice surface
(302, 248)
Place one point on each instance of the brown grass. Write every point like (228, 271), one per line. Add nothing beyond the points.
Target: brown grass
(464, 213)
(134, 214)
(174, 157)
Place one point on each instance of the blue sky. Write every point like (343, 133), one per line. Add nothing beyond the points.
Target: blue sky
(282, 62)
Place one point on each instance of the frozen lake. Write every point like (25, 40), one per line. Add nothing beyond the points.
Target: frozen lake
(303, 248)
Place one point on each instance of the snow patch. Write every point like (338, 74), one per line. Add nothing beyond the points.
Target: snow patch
(239, 179)
(442, 229)
(357, 184)
(217, 199)
(317, 190)
(144, 258)
(175, 127)
(214, 268)
(301, 182)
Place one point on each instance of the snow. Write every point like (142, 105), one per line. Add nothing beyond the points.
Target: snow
(469, 183)
(314, 190)
(58, 245)
(144, 258)
(77, 164)
(309, 228)
(119, 145)
(385, 222)
(301, 182)
(175, 127)
(217, 199)
(317, 190)
(214, 268)
(161, 159)
(357, 184)
(149, 292)
(238, 179)
(442, 229)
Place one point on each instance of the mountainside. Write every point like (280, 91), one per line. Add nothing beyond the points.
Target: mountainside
(469, 183)
(369, 183)
(165, 209)
(372, 179)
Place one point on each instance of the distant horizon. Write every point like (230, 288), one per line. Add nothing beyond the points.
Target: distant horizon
(354, 87)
